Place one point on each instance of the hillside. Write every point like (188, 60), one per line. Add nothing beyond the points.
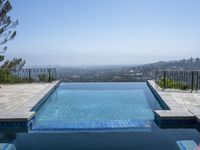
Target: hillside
(124, 73)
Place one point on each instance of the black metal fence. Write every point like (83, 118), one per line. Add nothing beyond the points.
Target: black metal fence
(179, 80)
(34, 74)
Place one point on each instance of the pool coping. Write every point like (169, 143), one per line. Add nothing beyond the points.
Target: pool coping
(175, 114)
(21, 119)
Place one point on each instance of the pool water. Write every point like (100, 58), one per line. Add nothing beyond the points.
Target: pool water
(97, 106)
(87, 105)
(157, 139)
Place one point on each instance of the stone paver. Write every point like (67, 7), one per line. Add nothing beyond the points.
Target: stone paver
(17, 100)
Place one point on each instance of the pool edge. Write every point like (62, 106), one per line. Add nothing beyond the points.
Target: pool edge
(21, 121)
(170, 118)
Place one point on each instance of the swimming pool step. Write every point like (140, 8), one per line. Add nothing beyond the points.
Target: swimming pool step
(170, 118)
(136, 125)
(187, 145)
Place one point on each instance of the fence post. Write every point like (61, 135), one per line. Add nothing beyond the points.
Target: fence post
(49, 75)
(164, 79)
(196, 86)
(29, 75)
(55, 74)
(192, 81)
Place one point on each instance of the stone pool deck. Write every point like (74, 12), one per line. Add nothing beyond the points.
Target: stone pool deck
(182, 105)
(18, 100)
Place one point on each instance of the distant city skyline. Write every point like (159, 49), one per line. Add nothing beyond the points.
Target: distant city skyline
(105, 32)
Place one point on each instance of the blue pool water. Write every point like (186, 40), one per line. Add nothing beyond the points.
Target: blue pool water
(97, 106)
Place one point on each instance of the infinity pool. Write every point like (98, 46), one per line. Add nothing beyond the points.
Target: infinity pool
(99, 116)
(97, 106)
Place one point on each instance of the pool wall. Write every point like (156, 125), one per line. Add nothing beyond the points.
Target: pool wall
(45, 97)
(40, 103)
(160, 100)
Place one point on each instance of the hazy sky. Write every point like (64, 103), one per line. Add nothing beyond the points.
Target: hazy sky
(105, 32)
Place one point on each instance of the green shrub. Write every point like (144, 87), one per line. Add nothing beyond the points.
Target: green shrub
(45, 78)
(173, 84)
(7, 77)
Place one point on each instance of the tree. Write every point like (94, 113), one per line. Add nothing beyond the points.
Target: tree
(7, 26)
(7, 69)
(14, 64)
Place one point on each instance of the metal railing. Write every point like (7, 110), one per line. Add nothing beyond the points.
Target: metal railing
(178, 80)
(34, 74)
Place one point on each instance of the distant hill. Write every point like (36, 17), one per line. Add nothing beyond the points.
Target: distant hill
(128, 73)
(184, 64)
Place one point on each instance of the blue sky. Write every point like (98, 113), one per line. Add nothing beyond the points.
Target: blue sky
(105, 32)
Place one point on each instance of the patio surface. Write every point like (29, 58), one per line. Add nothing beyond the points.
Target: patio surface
(17, 100)
(182, 104)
